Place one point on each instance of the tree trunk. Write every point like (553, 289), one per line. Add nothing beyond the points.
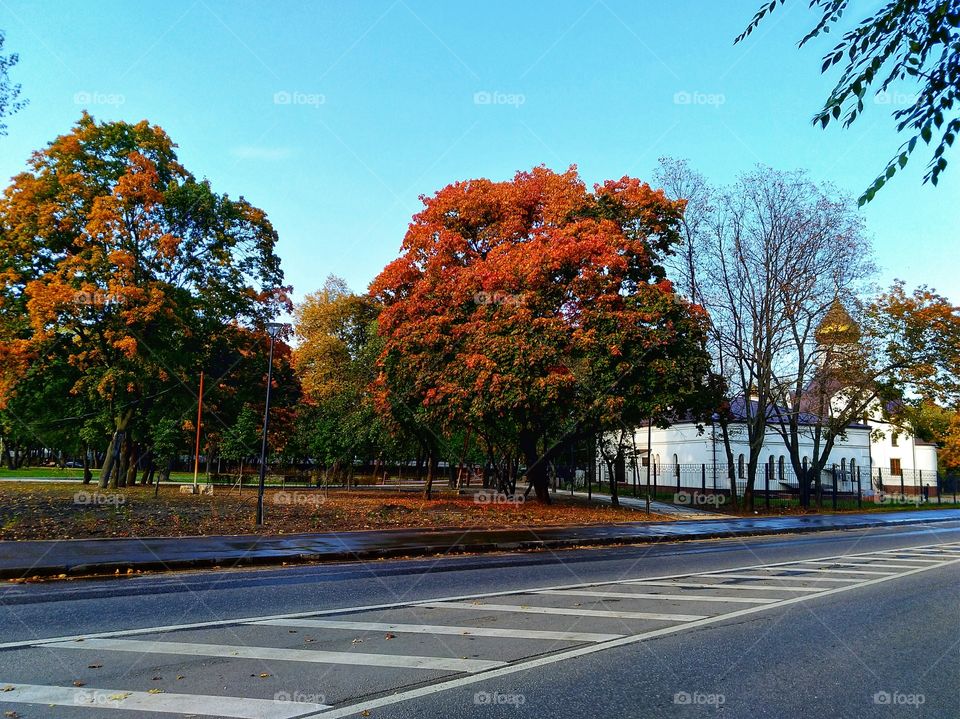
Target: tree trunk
(145, 463)
(109, 459)
(87, 474)
(431, 469)
(536, 468)
(731, 462)
(133, 463)
(612, 472)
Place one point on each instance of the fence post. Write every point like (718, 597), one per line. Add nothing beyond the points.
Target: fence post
(676, 468)
(936, 476)
(920, 487)
(902, 491)
(766, 484)
(834, 492)
(654, 482)
(593, 468)
(703, 478)
(859, 490)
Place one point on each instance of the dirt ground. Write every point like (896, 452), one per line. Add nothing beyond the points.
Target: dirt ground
(72, 511)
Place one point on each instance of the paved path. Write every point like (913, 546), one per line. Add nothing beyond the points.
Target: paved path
(85, 556)
(677, 511)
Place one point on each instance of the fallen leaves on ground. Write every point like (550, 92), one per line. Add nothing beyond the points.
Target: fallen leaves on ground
(50, 511)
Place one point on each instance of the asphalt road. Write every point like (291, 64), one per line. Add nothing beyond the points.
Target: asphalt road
(861, 623)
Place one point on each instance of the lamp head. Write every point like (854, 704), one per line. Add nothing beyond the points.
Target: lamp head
(273, 329)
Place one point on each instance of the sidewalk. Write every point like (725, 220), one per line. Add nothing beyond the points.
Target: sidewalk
(664, 508)
(105, 556)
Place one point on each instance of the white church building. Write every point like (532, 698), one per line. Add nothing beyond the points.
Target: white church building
(885, 456)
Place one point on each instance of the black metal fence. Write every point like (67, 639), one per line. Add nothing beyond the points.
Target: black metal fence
(777, 486)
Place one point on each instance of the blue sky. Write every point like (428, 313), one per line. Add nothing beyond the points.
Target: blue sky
(335, 116)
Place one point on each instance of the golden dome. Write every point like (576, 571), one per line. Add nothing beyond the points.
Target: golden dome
(837, 326)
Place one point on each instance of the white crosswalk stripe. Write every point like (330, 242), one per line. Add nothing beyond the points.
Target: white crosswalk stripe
(660, 597)
(440, 629)
(782, 577)
(572, 611)
(718, 585)
(166, 703)
(828, 568)
(911, 557)
(278, 654)
(879, 564)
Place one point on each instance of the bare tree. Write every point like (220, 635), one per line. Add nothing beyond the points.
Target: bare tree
(768, 255)
(9, 90)
(679, 180)
(855, 357)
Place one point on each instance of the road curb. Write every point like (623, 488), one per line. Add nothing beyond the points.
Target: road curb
(273, 557)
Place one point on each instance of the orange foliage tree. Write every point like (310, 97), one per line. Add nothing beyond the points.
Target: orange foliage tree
(118, 264)
(534, 311)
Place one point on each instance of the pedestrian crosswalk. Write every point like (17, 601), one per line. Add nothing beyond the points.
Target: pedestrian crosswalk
(315, 656)
(98, 699)
(391, 653)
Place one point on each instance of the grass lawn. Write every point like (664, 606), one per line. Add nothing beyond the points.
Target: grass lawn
(71, 511)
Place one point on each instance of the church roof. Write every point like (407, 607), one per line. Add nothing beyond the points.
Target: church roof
(837, 326)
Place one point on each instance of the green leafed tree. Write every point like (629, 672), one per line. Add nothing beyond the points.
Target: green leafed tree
(903, 43)
(122, 272)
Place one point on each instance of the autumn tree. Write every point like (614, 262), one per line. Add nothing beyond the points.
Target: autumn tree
(931, 422)
(117, 263)
(240, 440)
(335, 361)
(534, 311)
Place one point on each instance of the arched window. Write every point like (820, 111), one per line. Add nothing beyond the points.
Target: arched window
(780, 468)
(741, 473)
(843, 470)
(853, 470)
(806, 461)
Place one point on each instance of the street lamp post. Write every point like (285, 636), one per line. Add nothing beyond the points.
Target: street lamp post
(273, 329)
